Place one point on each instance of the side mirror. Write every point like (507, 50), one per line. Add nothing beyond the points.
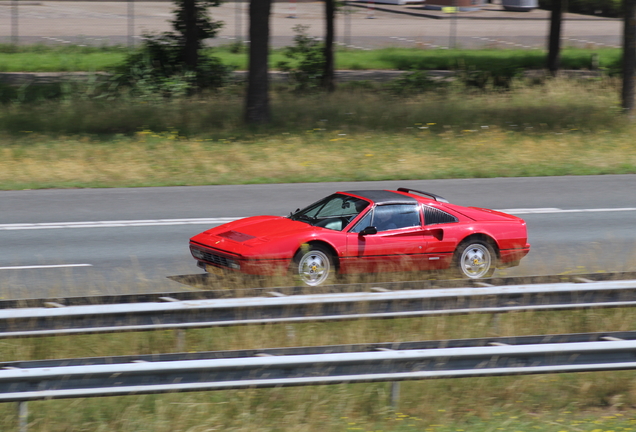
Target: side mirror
(370, 230)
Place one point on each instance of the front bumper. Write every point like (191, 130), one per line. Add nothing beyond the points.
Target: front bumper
(209, 258)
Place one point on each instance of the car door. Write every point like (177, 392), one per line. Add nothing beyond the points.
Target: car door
(398, 244)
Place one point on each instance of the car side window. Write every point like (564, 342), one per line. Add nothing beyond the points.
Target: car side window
(434, 216)
(395, 216)
(363, 223)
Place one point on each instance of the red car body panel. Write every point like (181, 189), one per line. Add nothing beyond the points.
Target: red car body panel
(266, 245)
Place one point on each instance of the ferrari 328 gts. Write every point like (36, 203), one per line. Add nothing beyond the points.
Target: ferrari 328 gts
(366, 231)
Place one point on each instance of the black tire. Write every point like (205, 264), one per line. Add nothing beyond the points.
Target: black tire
(313, 265)
(474, 259)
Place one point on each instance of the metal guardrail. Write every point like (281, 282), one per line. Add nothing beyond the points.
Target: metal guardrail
(201, 281)
(109, 376)
(170, 313)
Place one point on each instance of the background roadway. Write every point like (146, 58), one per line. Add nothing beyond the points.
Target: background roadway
(98, 23)
(596, 233)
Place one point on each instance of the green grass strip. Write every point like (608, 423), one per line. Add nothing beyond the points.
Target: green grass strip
(84, 59)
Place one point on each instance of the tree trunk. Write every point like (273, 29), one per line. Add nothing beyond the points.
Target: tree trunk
(328, 75)
(191, 45)
(554, 44)
(629, 55)
(257, 101)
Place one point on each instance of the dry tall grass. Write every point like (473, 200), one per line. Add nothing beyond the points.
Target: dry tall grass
(150, 159)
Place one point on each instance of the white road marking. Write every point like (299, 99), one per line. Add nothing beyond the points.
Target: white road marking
(558, 210)
(45, 266)
(219, 221)
(116, 224)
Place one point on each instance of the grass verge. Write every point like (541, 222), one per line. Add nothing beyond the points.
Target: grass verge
(444, 59)
(157, 160)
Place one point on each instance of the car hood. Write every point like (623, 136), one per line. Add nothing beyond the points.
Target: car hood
(243, 235)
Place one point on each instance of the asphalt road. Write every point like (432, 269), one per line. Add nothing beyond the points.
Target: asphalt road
(106, 241)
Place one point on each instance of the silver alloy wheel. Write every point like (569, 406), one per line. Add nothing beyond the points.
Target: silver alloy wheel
(475, 261)
(314, 267)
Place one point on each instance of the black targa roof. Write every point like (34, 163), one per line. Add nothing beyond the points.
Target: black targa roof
(384, 196)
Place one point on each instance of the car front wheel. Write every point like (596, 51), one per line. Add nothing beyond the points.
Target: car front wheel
(313, 265)
(474, 259)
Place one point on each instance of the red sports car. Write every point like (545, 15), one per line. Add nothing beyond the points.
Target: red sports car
(366, 231)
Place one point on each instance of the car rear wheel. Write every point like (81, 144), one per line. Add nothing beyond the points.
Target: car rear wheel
(313, 265)
(474, 259)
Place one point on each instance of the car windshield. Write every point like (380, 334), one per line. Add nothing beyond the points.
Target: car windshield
(334, 212)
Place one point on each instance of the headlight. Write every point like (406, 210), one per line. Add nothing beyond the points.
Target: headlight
(197, 253)
(233, 265)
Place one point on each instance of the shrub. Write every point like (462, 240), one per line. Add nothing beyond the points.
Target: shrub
(414, 82)
(159, 64)
(163, 63)
(308, 56)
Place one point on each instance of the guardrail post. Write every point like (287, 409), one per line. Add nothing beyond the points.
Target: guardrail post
(23, 416)
(180, 337)
(395, 395)
(494, 323)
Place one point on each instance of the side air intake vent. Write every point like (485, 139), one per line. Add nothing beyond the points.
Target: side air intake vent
(435, 216)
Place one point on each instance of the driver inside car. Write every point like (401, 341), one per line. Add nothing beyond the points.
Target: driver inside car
(383, 219)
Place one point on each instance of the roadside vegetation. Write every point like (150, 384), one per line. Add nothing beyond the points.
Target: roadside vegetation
(413, 128)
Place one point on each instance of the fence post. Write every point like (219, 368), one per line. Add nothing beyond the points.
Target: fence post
(371, 9)
(292, 9)
(238, 21)
(23, 416)
(452, 43)
(347, 23)
(131, 23)
(14, 22)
